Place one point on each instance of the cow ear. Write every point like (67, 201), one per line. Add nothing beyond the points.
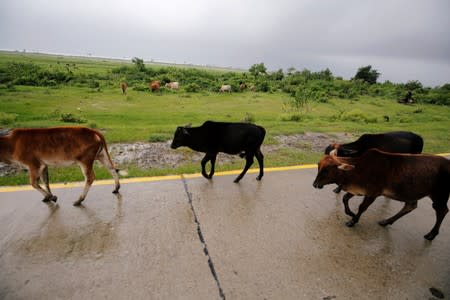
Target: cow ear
(188, 125)
(346, 167)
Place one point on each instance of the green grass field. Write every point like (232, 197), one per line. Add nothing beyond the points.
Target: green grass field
(143, 116)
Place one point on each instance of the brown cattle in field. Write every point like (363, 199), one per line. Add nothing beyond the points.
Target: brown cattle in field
(123, 87)
(403, 177)
(38, 148)
(242, 86)
(173, 85)
(155, 85)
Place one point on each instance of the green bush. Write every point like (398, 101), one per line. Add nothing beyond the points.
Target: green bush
(192, 88)
(70, 118)
(355, 115)
(7, 119)
(158, 137)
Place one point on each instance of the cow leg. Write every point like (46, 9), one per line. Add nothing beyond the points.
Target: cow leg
(89, 176)
(213, 164)
(347, 209)
(104, 158)
(362, 208)
(260, 158)
(248, 163)
(407, 208)
(208, 157)
(35, 171)
(338, 189)
(441, 210)
(46, 180)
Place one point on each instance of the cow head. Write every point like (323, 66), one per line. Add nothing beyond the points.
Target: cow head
(180, 137)
(330, 170)
(331, 147)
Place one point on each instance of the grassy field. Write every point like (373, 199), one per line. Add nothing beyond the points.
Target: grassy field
(143, 116)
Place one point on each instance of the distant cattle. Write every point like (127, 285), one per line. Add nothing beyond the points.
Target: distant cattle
(394, 142)
(242, 86)
(38, 148)
(403, 177)
(233, 138)
(155, 85)
(173, 85)
(123, 87)
(225, 88)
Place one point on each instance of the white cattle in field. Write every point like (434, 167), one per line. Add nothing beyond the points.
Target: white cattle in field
(173, 85)
(225, 88)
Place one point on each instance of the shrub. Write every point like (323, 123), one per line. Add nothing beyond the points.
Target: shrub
(355, 115)
(7, 119)
(70, 118)
(192, 88)
(158, 137)
(248, 118)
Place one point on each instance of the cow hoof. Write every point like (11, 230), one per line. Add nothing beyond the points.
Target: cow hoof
(337, 190)
(430, 236)
(47, 199)
(116, 191)
(77, 203)
(236, 180)
(54, 198)
(384, 223)
(259, 178)
(350, 223)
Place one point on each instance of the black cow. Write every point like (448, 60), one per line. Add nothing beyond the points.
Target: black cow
(393, 142)
(233, 138)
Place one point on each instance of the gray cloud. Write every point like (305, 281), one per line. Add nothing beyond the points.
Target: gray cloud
(402, 39)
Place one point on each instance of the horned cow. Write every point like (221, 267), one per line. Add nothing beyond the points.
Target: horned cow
(403, 177)
(38, 148)
(233, 138)
(394, 142)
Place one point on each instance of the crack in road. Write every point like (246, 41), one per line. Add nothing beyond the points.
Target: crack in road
(202, 239)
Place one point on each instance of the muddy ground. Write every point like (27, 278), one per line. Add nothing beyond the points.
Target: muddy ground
(159, 155)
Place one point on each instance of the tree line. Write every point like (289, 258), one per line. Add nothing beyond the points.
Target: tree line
(302, 85)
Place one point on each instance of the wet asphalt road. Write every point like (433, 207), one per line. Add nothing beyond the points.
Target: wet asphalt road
(197, 239)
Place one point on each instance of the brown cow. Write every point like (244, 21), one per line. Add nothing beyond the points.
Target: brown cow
(38, 148)
(155, 85)
(124, 86)
(242, 86)
(403, 177)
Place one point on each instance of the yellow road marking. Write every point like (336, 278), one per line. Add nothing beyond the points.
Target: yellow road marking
(19, 188)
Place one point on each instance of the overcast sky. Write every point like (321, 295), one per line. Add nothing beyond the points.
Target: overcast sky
(404, 40)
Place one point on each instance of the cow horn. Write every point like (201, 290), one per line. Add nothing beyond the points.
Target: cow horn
(333, 152)
(346, 167)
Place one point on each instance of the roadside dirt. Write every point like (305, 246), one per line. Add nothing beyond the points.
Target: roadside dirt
(159, 155)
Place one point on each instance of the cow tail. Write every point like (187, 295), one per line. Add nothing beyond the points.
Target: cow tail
(104, 146)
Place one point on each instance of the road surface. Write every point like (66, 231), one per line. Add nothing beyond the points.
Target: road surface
(189, 238)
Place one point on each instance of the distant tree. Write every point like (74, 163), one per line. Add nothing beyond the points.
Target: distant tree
(413, 85)
(257, 69)
(278, 75)
(139, 63)
(290, 71)
(367, 74)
